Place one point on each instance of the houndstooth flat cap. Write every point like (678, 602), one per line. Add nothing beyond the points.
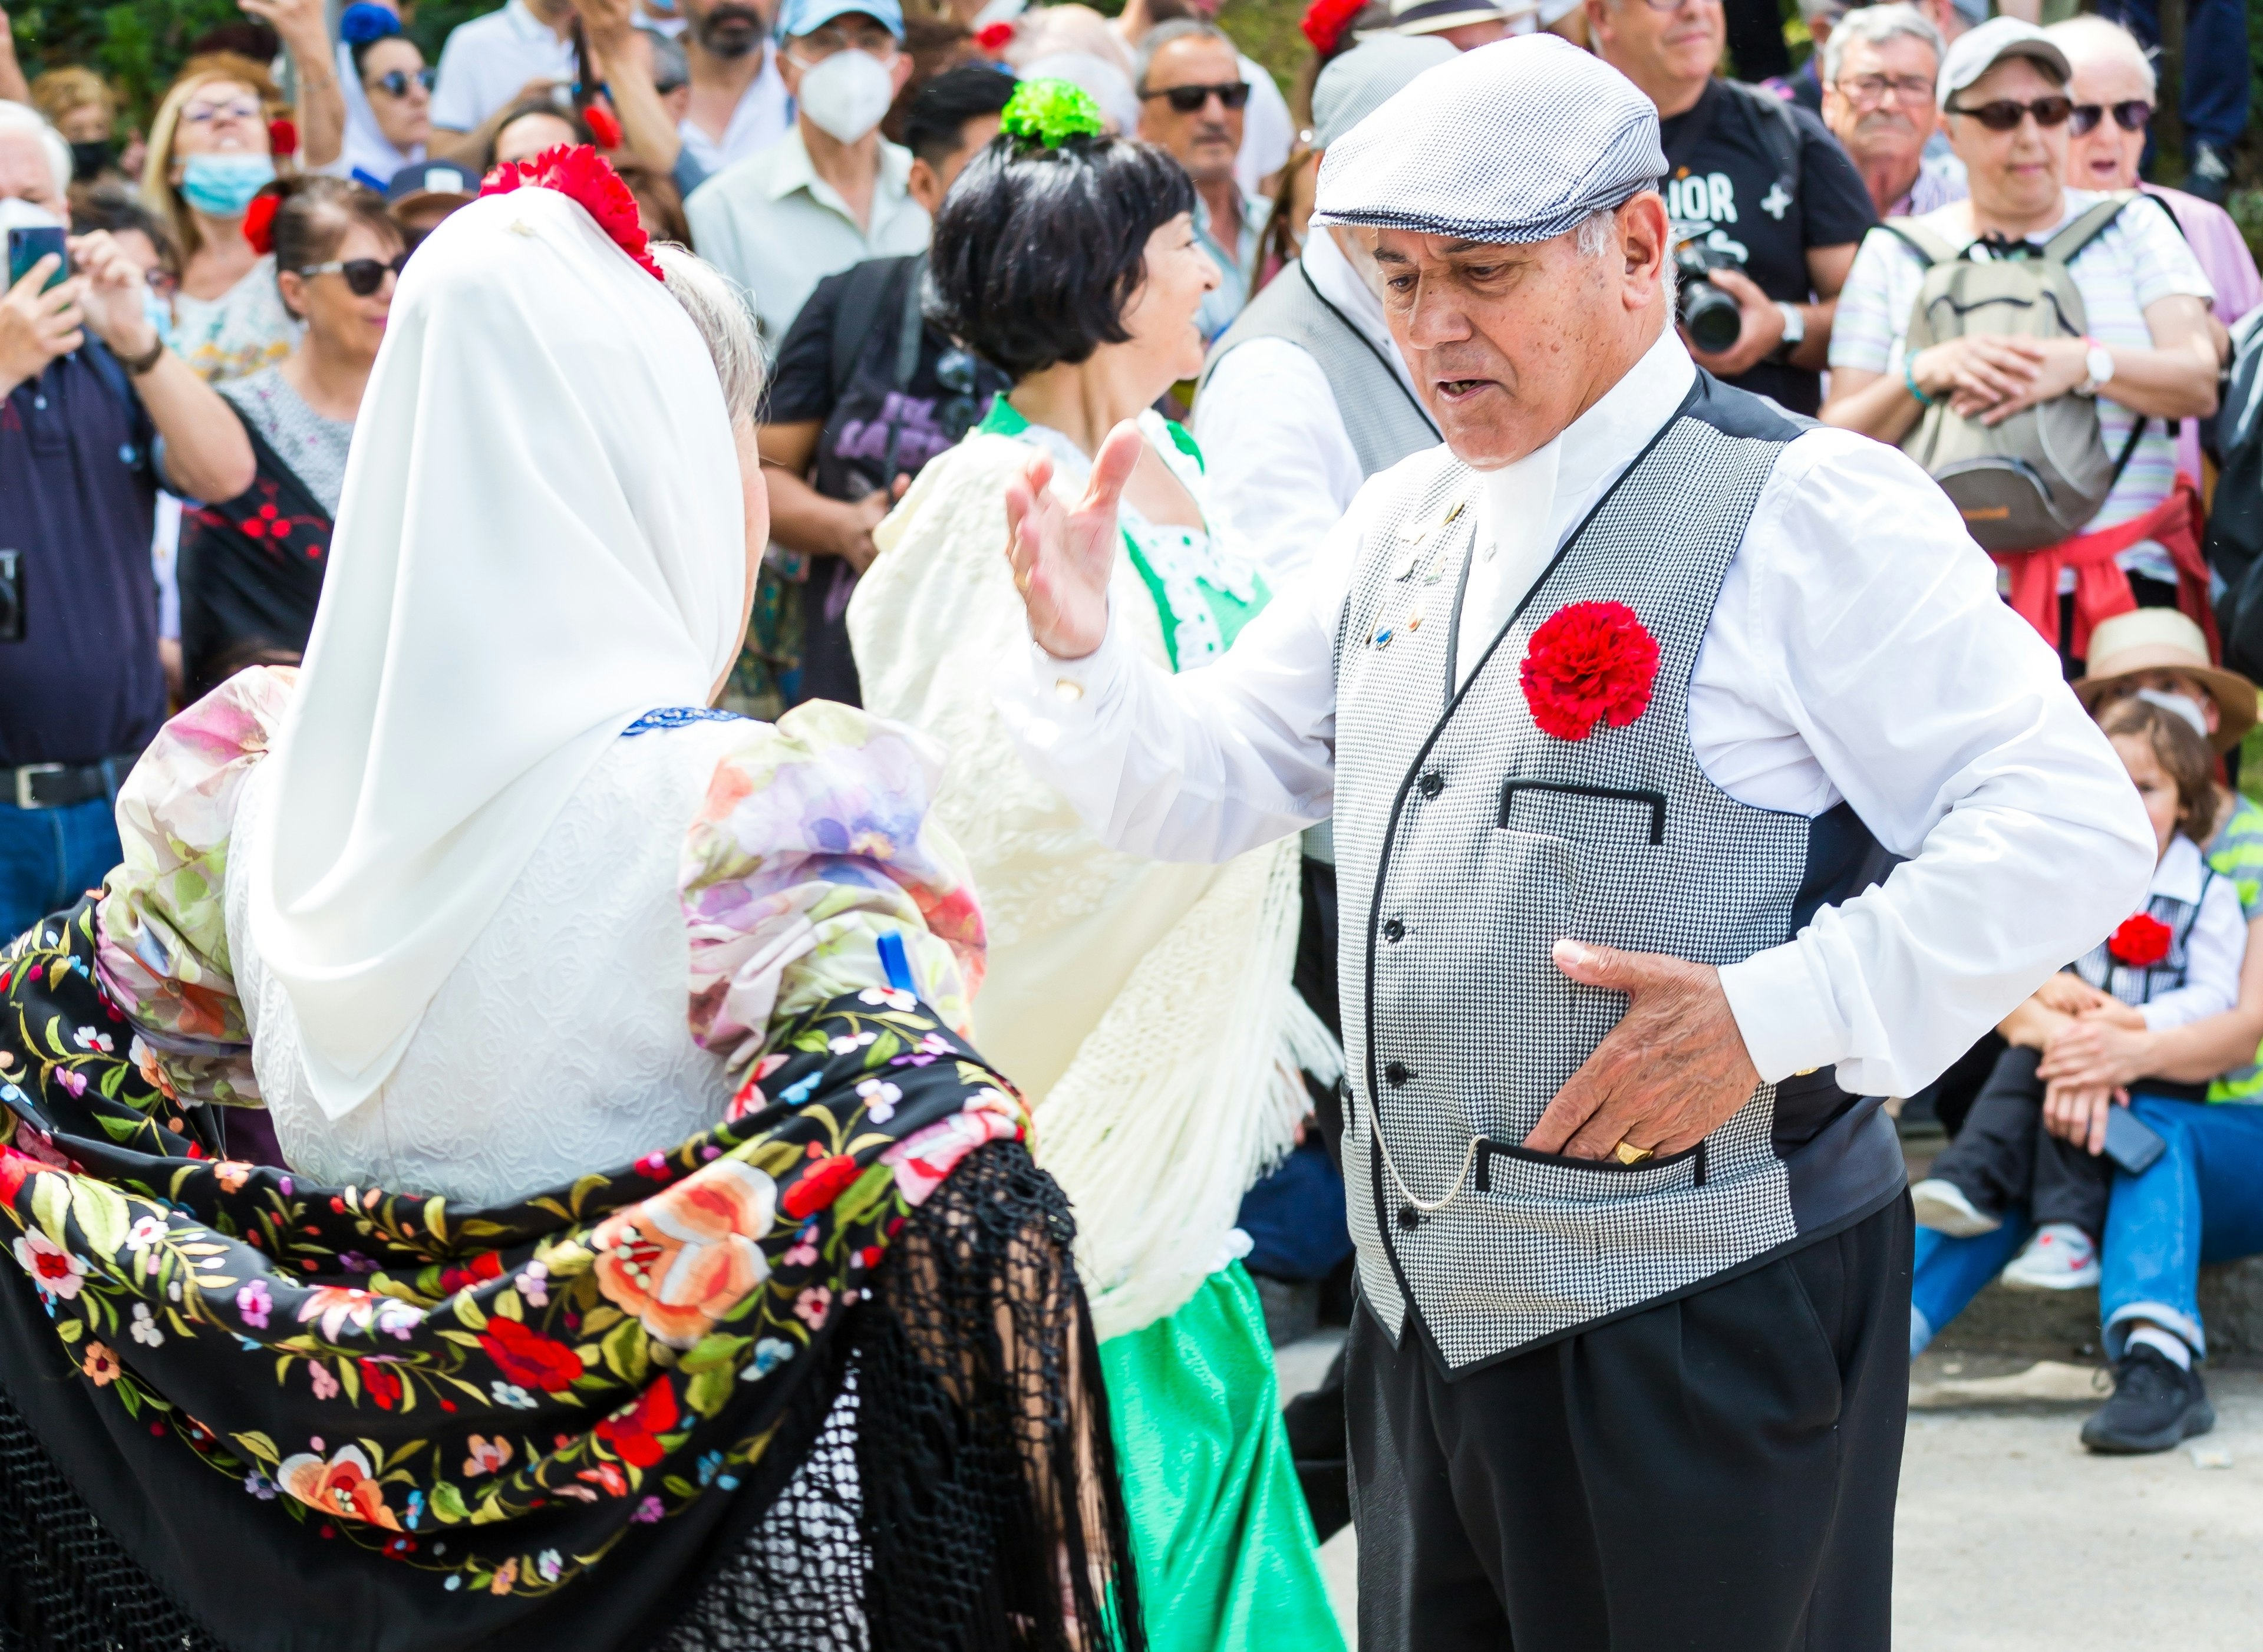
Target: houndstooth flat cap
(1513, 142)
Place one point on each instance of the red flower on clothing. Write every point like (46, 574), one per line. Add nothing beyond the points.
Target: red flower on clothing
(528, 1357)
(633, 1431)
(382, 1383)
(820, 1185)
(586, 179)
(2142, 941)
(1591, 659)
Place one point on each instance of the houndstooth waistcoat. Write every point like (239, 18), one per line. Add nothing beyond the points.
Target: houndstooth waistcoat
(1467, 841)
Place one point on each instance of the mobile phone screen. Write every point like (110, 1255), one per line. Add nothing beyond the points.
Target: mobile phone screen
(27, 247)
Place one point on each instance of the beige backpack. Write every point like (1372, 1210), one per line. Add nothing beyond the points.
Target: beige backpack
(2037, 478)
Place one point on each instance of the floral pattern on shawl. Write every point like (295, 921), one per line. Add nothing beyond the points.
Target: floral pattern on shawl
(493, 1398)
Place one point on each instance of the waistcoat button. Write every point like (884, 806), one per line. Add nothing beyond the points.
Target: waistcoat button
(1409, 1217)
(1431, 784)
(1396, 1075)
(1394, 930)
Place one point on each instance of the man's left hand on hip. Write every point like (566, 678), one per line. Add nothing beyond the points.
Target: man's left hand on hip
(1671, 1071)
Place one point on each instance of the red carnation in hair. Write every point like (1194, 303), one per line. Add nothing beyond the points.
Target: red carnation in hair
(604, 125)
(1326, 21)
(995, 37)
(259, 223)
(2142, 941)
(1591, 659)
(586, 179)
(282, 138)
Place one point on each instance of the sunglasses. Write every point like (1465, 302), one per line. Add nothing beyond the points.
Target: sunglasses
(1189, 99)
(2131, 116)
(394, 83)
(2002, 114)
(364, 275)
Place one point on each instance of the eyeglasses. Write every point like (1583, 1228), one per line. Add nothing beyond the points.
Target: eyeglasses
(395, 81)
(364, 275)
(1189, 99)
(820, 43)
(1868, 91)
(160, 280)
(204, 114)
(2002, 114)
(2131, 116)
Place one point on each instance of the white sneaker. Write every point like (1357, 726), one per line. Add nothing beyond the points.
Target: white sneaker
(1942, 1206)
(2060, 1257)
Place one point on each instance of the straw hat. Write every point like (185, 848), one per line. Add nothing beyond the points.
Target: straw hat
(2164, 640)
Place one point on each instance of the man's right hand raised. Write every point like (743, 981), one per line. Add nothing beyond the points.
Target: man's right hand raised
(1062, 558)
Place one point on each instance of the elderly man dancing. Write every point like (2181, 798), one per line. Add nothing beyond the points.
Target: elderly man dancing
(1616, 699)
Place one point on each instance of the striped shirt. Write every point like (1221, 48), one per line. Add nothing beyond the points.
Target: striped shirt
(2237, 856)
(2138, 261)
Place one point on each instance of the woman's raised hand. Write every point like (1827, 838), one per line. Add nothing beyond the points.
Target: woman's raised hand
(1062, 558)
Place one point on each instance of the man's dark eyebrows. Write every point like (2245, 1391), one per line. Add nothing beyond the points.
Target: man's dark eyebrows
(1386, 254)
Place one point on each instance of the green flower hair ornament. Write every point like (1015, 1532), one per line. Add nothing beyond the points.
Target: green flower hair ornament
(1047, 113)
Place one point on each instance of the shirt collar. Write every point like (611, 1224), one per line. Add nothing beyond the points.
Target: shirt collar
(790, 170)
(524, 23)
(1604, 440)
(2180, 872)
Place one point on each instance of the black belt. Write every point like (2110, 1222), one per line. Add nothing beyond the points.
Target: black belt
(60, 785)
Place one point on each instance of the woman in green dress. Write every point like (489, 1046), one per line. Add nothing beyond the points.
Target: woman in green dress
(1144, 1009)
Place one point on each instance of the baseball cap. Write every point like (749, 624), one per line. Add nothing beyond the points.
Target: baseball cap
(421, 179)
(1975, 52)
(806, 17)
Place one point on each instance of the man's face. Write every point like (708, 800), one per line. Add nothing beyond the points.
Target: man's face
(727, 28)
(1653, 46)
(25, 174)
(1204, 140)
(1467, 37)
(1881, 105)
(930, 182)
(1507, 345)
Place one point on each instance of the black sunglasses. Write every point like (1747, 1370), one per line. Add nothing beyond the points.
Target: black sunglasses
(2131, 116)
(2002, 114)
(395, 81)
(1187, 99)
(364, 275)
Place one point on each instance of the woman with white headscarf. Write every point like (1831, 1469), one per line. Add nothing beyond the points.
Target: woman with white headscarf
(610, 1045)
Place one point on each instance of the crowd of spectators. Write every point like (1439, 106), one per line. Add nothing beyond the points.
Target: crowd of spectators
(181, 386)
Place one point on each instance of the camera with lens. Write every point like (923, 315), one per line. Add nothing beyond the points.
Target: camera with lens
(1707, 315)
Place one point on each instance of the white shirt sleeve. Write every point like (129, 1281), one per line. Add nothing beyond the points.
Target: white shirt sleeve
(455, 96)
(1282, 466)
(1876, 640)
(1205, 765)
(2214, 952)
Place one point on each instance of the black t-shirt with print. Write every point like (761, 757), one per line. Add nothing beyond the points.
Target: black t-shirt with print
(865, 414)
(1762, 180)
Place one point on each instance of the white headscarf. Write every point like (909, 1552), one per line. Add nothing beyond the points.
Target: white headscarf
(541, 538)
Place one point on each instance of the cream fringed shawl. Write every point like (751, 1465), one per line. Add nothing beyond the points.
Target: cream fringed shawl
(1144, 1008)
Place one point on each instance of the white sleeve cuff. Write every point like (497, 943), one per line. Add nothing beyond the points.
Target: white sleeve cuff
(1789, 1025)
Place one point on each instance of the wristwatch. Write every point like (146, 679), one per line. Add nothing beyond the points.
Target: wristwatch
(2099, 364)
(1795, 330)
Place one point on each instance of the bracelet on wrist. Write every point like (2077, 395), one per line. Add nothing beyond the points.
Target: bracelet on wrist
(1909, 378)
(136, 365)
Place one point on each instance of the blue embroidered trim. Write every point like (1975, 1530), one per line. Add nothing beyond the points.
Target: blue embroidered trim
(678, 717)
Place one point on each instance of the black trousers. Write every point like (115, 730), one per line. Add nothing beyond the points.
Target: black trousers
(2003, 1159)
(1716, 1474)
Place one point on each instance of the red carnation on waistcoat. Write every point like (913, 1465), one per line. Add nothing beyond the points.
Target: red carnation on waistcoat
(1591, 659)
(1326, 20)
(2141, 942)
(585, 177)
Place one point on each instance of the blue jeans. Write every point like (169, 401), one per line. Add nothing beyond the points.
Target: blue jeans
(2201, 1201)
(50, 857)
(1946, 1273)
(2216, 63)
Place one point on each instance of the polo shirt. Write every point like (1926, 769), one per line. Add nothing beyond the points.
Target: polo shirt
(776, 227)
(80, 488)
(488, 60)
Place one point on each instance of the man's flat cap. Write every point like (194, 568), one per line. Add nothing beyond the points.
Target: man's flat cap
(1514, 142)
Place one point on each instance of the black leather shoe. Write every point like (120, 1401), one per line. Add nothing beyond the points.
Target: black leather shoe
(2155, 1404)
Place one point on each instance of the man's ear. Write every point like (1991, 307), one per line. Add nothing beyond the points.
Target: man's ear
(1646, 237)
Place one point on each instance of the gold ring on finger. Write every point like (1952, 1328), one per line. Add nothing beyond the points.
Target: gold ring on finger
(1627, 1153)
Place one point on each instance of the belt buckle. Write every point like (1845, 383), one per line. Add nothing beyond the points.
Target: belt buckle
(24, 776)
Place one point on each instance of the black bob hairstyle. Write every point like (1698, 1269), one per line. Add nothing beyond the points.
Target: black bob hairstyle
(1037, 252)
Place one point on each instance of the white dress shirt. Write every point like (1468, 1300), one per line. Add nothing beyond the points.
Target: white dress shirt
(762, 117)
(1857, 650)
(488, 60)
(1282, 466)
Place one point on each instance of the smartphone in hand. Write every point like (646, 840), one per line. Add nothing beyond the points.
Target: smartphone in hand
(27, 247)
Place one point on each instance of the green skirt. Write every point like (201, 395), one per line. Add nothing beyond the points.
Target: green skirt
(1219, 1529)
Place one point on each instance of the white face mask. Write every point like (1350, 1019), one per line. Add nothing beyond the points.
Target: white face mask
(847, 94)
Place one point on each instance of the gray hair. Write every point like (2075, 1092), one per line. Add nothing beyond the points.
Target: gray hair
(1163, 34)
(15, 117)
(718, 309)
(1814, 11)
(1597, 237)
(1874, 25)
(2091, 36)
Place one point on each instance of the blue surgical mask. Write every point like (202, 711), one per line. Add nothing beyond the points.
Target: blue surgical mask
(222, 186)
